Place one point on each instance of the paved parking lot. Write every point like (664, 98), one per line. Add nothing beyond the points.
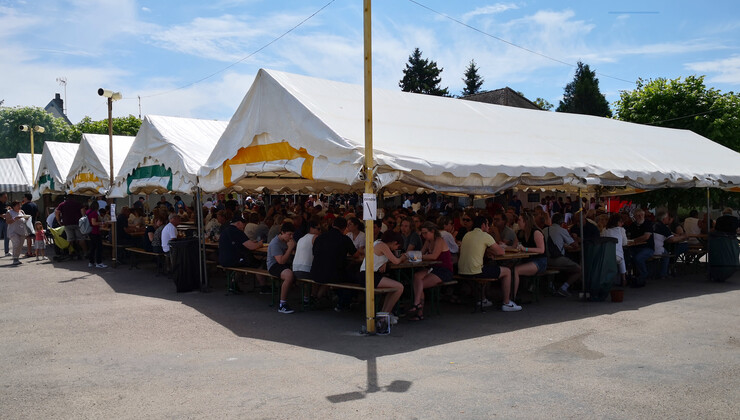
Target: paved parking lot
(114, 343)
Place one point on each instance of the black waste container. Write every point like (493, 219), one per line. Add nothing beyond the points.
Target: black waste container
(600, 258)
(724, 256)
(185, 266)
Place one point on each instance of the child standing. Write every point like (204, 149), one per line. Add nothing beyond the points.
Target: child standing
(40, 245)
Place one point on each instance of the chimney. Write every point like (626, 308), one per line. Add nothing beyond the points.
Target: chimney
(58, 101)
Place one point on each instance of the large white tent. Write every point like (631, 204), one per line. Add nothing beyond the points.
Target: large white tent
(294, 132)
(90, 170)
(12, 178)
(54, 165)
(166, 155)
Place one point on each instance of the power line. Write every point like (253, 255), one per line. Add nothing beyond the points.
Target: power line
(509, 42)
(248, 56)
(685, 116)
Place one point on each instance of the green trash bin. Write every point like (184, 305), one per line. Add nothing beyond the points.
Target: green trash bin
(600, 258)
(724, 256)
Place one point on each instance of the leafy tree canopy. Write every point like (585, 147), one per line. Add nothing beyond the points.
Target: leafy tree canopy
(543, 104)
(14, 141)
(473, 81)
(685, 104)
(582, 95)
(422, 76)
(122, 126)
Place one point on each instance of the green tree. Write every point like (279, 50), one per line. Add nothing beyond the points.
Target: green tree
(422, 76)
(14, 141)
(473, 81)
(122, 126)
(543, 104)
(582, 95)
(684, 104)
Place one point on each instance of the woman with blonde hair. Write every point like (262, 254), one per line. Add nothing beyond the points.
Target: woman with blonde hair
(531, 239)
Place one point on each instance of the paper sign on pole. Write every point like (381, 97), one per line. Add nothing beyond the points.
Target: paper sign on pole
(370, 206)
(113, 212)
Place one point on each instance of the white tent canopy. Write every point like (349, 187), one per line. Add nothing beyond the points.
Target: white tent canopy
(308, 134)
(24, 160)
(54, 165)
(90, 170)
(12, 178)
(166, 155)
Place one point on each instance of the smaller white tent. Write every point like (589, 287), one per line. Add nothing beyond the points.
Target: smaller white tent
(12, 178)
(54, 165)
(24, 160)
(166, 155)
(90, 170)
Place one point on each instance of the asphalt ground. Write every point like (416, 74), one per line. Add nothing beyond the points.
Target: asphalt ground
(79, 343)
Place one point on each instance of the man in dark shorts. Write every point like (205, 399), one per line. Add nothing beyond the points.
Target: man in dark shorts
(68, 215)
(473, 249)
(279, 253)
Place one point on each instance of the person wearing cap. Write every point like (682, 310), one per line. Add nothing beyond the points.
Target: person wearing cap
(727, 223)
(234, 248)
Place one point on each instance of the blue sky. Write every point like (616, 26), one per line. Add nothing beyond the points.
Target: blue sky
(150, 48)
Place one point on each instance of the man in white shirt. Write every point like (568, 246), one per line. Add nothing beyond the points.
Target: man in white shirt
(170, 231)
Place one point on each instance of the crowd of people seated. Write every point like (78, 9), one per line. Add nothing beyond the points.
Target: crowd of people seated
(322, 238)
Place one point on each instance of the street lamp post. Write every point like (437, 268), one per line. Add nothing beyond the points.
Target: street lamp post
(31, 130)
(112, 96)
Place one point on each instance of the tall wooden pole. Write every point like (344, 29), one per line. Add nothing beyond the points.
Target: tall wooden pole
(369, 224)
(114, 237)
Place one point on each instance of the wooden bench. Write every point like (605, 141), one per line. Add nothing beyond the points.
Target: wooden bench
(233, 288)
(121, 251)
(346, 286)
(160, 259)
(658, 258)
(435, 294)
(482, 283)
(549, 273)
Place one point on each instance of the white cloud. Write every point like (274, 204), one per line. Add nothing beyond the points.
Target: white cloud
(724, 70)
(667, 48)
(489, 10)
(217, 98)
(225, 38)
(146, 9)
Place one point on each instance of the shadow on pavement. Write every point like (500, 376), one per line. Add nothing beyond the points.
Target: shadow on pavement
(250, 316)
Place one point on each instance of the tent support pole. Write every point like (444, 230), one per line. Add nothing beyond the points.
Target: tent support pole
(709, 227)
(114, 236)
(583, 251)
(369, 224)
(201, 241)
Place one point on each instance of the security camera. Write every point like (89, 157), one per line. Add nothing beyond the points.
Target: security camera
(24, 127)
(109, 94)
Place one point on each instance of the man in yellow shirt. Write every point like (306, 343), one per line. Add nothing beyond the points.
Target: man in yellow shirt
(473, 249)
